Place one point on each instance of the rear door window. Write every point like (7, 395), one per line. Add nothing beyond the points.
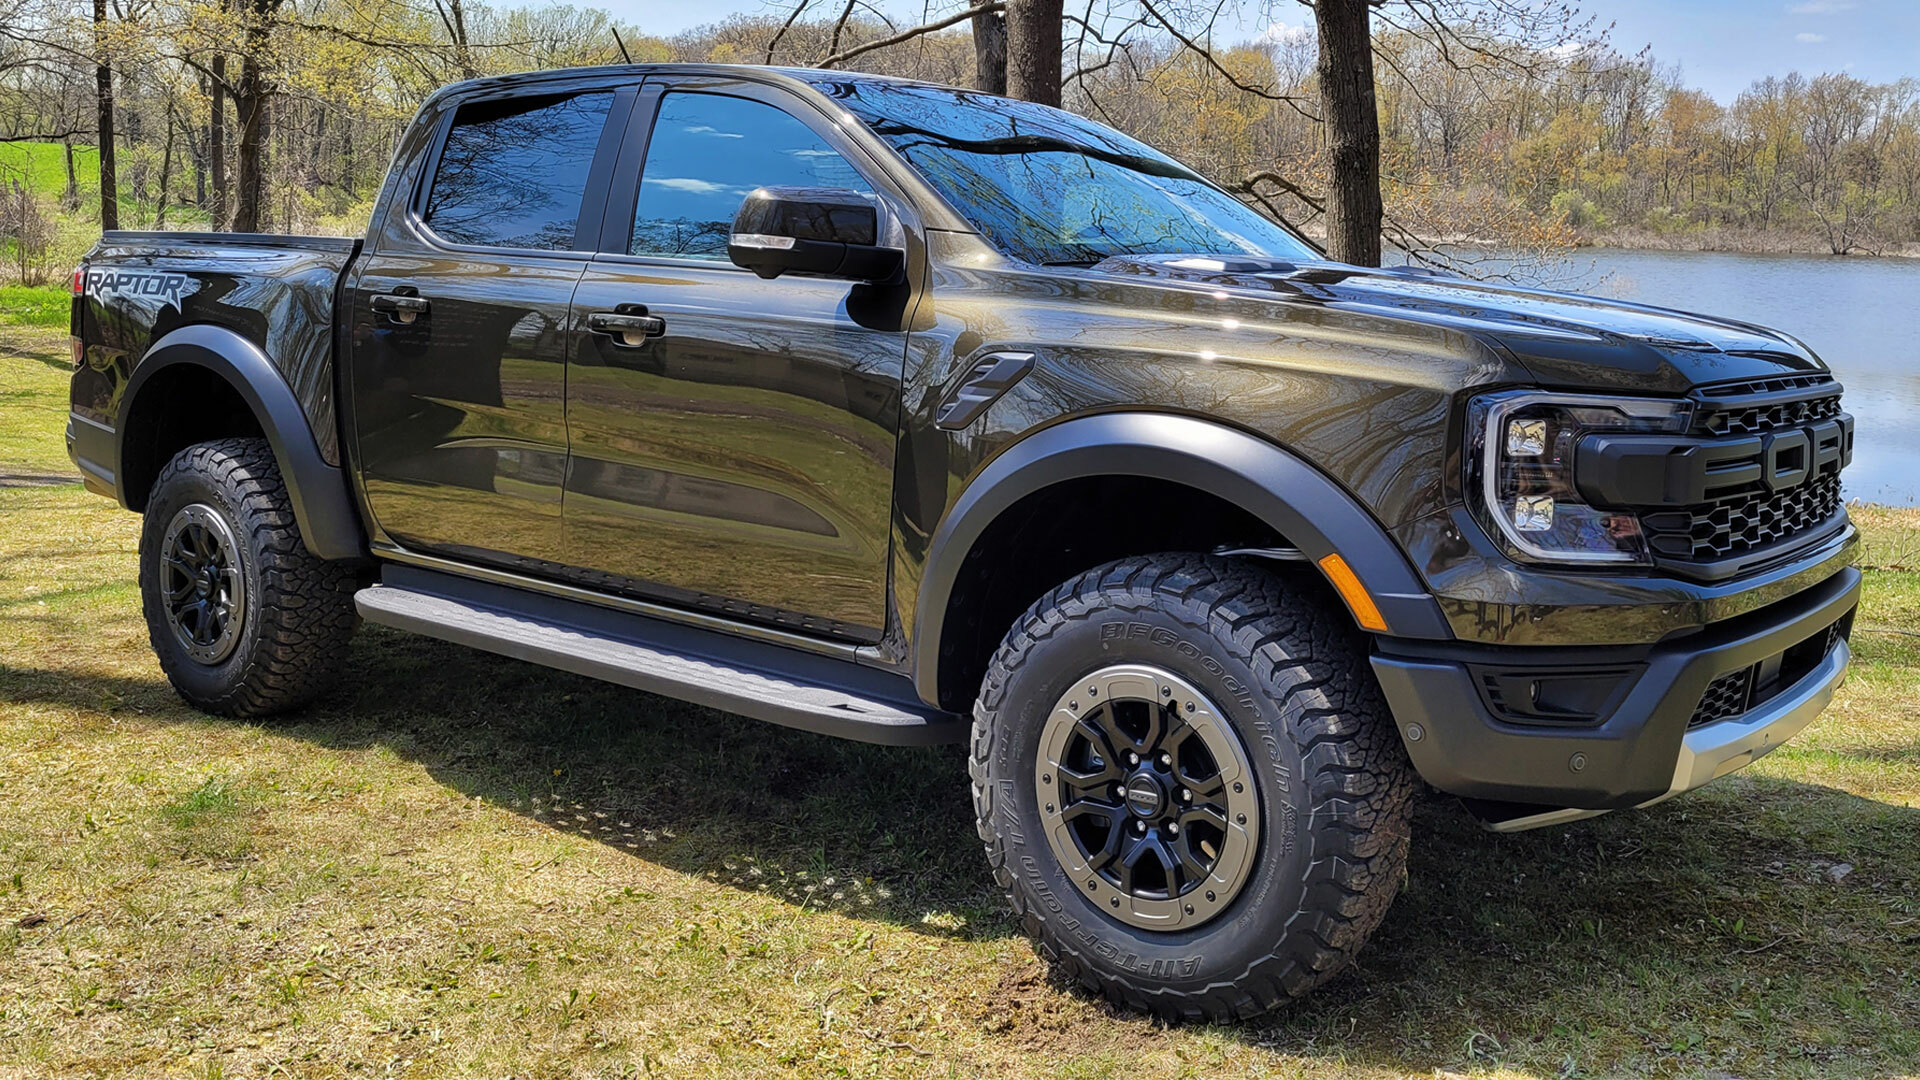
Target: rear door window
(513, 172)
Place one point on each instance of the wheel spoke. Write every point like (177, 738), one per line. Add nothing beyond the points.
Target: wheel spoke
(1116, 837)
(1079, 782)
(1080, 808)
(1194, 869)
(1115, 736)
(1204, 815)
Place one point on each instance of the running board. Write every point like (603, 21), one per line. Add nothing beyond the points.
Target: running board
(740, 675)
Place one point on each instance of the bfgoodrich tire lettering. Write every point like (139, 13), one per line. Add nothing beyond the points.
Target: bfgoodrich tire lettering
(1335, 788)
(298, 611)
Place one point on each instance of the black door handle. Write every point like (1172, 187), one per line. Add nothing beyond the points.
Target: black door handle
(404, 309)
(629, 328)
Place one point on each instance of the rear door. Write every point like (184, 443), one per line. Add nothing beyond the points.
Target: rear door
(458, 367)
(741, 459)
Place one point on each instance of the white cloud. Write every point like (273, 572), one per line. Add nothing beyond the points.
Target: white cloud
(687, 183)
(707, 129)
(1810, 39)
(1821, 7)
(1284, 33)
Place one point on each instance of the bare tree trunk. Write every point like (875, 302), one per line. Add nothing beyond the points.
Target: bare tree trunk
(71, 200)
(989, 51)
(217, 141)
(251, 110)
(166, 176)
(1033, 50)
(1353, 131)
(250, 107)
(103, 94)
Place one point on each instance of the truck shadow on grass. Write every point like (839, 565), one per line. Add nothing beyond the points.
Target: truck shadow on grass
(1775, 915)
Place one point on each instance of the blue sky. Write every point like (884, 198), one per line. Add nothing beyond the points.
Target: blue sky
(1722, 45)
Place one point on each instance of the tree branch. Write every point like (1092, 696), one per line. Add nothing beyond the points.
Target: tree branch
(908, 35)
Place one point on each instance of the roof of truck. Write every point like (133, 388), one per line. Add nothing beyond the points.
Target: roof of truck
(798, 76)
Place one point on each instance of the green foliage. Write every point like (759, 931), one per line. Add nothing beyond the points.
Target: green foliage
(26, 305)
(1574, 208)
(42, 166)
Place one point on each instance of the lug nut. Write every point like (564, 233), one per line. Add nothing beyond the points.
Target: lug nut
(1140, 826)
(1133, 758)
(1166, 760)
(1186, 795)
(1173, 828)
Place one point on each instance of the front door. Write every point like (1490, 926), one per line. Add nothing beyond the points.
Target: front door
(740, 457)
(458, 370)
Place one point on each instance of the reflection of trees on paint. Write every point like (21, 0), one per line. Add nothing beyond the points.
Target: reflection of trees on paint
(1051, 188)
(707, 152)
(513, 172)
(682, 236)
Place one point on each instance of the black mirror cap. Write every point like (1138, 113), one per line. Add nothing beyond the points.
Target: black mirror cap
(814, 230)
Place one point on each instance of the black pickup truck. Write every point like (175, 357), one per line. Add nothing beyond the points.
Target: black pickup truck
(914, 415)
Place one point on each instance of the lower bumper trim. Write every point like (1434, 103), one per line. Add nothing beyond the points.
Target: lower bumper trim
(1468, 716)
(1725, 746)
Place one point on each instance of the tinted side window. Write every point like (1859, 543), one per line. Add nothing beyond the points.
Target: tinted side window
(513, 171)
(706, 153)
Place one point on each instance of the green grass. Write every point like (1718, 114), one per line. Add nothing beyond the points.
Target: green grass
(23, 305)
(35, 368)
(43, 167)
(457, 865)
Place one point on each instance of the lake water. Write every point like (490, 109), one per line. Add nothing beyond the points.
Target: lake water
(1861, 315)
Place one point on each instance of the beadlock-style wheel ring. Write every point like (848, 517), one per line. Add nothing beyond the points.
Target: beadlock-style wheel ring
(203, 591)
(1147, 798)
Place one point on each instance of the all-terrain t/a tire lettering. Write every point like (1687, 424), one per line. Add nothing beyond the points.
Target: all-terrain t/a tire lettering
(1290, 678)
(293, 612)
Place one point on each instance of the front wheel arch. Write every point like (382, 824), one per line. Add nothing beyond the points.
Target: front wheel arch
(1271, 485)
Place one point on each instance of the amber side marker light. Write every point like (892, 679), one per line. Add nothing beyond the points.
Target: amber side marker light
(1355, 594)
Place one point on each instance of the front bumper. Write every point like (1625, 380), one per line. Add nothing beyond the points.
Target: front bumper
(1536, 736)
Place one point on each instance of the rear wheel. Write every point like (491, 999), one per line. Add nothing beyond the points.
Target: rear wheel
(245, 620)
(1188, 783)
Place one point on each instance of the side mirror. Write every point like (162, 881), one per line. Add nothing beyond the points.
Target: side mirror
(812, 230)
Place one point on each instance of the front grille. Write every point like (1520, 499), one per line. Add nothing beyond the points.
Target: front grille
(1742, 514)
(1755, 419)
(1740, 523)
(1726, 696)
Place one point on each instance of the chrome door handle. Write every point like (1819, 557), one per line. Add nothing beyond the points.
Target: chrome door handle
(404, 309)
(626, 328)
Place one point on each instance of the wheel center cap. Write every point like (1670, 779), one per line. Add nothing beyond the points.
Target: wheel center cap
(1144, 795)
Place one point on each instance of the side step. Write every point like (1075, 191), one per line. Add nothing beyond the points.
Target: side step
(741, 675)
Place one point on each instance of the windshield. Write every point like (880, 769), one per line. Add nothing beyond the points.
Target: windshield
(1051, 187)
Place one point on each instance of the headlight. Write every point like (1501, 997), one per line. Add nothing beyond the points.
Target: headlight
(1520, 452)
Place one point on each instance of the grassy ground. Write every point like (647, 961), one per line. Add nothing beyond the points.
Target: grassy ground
(459, 865)
(25, 305)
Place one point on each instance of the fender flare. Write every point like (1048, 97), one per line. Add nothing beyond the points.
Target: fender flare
(1279, 488)
(322, 502)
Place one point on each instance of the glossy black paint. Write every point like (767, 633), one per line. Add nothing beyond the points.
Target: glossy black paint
(276, 292)
(770, 451)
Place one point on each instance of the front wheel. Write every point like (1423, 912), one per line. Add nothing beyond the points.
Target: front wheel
(1189, 785)
(245, 620)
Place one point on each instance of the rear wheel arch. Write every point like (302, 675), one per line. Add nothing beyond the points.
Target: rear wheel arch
(1246, 484)
(200, 383)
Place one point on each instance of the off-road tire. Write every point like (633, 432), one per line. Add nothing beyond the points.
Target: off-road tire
(299, 611)
(1290, 675)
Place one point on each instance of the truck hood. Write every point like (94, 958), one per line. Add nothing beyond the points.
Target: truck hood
(1566, 341)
